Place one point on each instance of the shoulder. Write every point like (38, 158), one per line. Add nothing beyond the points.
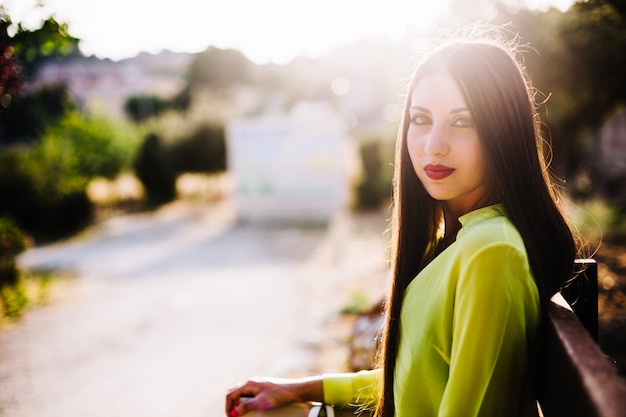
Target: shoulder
(494, 252)
(496, 234)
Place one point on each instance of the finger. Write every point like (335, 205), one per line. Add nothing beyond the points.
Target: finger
(245, 391)
(250, 404)
(230, 404)
(233, 406)
(233, 398)
(242, 407)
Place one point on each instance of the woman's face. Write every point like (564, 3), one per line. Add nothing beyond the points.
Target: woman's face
(443, 145)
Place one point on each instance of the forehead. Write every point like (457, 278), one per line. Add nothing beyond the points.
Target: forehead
(437, 90)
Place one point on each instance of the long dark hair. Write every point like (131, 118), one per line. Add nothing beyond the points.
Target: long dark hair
(500, 99)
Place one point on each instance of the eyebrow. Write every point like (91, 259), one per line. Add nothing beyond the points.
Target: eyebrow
(453, 111)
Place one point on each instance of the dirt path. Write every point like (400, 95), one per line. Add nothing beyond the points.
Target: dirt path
(168, 310)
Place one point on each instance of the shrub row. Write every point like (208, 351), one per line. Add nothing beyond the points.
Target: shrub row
(43, 185)
(158, 162)
(374, 189)
(33, 196)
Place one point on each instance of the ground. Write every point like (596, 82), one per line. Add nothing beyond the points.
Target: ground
(165, 311)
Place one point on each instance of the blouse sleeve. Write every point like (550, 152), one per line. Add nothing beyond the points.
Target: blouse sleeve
(495, 316)
(354, 389)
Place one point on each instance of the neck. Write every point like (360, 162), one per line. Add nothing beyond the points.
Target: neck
(452, 210)
(452, 226)
(451, 216)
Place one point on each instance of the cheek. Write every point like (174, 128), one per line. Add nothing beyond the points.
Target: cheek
(414, 145)
(416, 152)
(478, 164)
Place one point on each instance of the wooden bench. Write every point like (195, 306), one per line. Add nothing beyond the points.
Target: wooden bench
(577, 379)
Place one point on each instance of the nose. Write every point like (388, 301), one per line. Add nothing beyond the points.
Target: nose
(436, 141)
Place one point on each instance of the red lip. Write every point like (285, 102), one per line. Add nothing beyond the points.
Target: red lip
(437, 172)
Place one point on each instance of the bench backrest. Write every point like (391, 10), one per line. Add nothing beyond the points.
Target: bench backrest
(577, 379)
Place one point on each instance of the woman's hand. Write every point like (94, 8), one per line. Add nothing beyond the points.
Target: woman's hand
(266, 393)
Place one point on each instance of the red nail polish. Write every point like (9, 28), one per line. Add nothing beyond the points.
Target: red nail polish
(234, 412)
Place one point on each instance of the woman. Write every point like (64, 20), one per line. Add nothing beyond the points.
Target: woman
(479, 246)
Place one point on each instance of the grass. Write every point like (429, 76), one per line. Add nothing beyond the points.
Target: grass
(33, 288)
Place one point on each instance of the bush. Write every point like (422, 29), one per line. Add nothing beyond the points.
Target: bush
(44, 188)
(374, 190)
(27, 116)
(34, 194)
(17, 289)
(140, 108)
(158, 163)
(85, 147)
(155, 171)
(202, 151)
(12, 243)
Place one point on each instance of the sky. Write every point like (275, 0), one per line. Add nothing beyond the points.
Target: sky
(264, 30)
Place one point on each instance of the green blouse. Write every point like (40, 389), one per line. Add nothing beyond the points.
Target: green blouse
(468, 329)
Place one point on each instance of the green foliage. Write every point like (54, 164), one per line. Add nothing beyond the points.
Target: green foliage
(24, 113)
(33, 47)
(43, 184)
(84, 147)
(13, 298)
(594, 34)
(142, 107)
(44, 188)
(600, 220)
(374, 190)
(358, 303)
(578, 64)
(12, 243)
(183, 145)
(29, 114)
(155, 171)
(35, 194)
(202, 151)
(31, 288)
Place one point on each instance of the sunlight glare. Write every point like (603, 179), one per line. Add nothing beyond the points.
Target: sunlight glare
(340, 86)
(265, 31)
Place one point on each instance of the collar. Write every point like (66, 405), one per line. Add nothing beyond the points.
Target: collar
(478, 216)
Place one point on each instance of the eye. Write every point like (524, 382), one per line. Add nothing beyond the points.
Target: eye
(463, 122)
(421, 119)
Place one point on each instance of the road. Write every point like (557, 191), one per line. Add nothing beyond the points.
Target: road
(168, 310)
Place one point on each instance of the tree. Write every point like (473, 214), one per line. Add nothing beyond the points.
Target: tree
(219, 69)
(24, 112)
(29, 113)
(31, 48)
(577, 66)
(155, 171)
(142, 107)
(11, 83)
(216, 71)
(85, 147)
(202, 150)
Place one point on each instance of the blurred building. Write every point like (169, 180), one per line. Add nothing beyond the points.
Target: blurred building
(104, 85)
(290, 168)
